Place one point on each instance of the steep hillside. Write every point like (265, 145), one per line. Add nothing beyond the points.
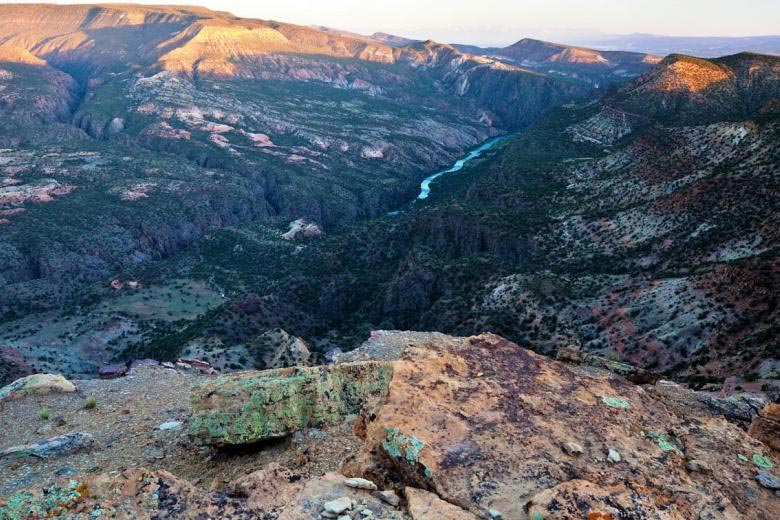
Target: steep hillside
(197, 42)
(683, 89)
(598, 227)
(128, 133)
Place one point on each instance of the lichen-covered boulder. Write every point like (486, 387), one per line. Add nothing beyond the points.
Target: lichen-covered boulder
(248, 407)
(482, 424)
(36, 384)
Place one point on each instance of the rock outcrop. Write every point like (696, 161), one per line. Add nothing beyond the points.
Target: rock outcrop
(251, 407)
(482, 422)
(766, 427)
(301, 229)
(462, 428)
(36, 384)
(56, 446)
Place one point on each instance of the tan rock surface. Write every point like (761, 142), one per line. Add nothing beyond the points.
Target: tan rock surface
(36, 384)
(482, 422)
(424, 505)
(471, 427)
(766, 427)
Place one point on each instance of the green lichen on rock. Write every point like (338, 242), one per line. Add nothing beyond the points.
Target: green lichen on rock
(762, 462)
(667, 443)
(742, 457)
(398, 445)
(36, 384)
(249, 407)
(615, 402)
(406, 449)
(50, 503)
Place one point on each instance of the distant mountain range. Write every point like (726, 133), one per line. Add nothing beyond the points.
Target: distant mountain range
(583, 63)
(702, 46)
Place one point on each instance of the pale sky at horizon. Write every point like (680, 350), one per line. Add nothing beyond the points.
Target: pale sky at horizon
(489, 22)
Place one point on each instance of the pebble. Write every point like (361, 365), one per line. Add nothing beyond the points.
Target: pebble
(768, 480)
(698, 466)
(360, 483)
(573, 449)
(170, 425)
(338, 506)
(495, 515)
(154, 453)
(613, 456)
(388, 496)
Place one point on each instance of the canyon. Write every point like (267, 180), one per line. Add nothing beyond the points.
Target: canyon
(215, 232)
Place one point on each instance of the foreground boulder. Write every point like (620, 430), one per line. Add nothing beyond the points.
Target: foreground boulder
(446, 428)
(36, 384)
(766, 427)
(483, 423)
(249, 407)
(54, 447)
(273, 493)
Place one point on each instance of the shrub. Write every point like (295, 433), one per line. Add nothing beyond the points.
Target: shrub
(91, 402)
(43, 414)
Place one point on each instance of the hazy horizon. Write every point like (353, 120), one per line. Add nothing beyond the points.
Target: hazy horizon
(499, 22)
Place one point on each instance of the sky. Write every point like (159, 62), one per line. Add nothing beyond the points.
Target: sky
(490, 22)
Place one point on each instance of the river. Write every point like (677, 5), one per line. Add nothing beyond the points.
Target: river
(425, 187)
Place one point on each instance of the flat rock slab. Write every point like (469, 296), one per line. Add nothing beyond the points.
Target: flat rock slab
(424, 505)
(248, 407)
(54, 447)
(482, 423)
